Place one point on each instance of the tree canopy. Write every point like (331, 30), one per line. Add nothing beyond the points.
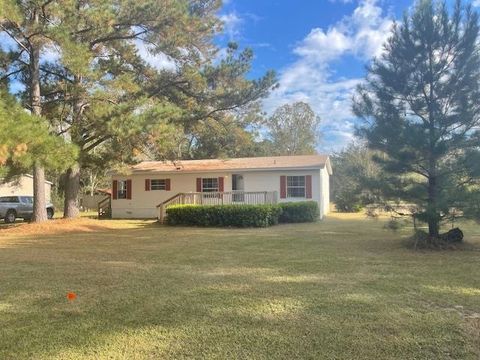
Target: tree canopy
(25, 139)
(99, 91)
(293, 129)
(354, 177)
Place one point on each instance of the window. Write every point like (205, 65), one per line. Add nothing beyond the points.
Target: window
(27, 199)
(9, 199)
(158, 184)
(296, 186)
(210, 185)
(122, 189)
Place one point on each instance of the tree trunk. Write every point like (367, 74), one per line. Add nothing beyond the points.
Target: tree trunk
(72, 178)
(39, 202)
(432, 211)
(72, 187)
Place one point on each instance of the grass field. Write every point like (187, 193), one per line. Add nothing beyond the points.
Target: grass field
(344, 288)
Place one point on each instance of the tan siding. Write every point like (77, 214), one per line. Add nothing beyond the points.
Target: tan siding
(24, 186)
(143, 204)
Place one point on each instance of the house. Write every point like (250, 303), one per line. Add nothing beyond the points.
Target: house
(23, 185)
(146, 189)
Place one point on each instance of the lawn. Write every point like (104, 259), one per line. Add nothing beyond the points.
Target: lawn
(343, 288)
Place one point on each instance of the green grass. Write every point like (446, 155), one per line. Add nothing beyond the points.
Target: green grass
(344, 288)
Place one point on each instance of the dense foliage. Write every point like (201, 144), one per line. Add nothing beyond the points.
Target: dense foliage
(120, 78)
(242, 215)
(420, 109)
(25, 138)
(354, 178)
(224, 215)
(293, 130)
(299, 212)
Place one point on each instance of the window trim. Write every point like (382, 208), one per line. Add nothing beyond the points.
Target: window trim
(213, 188)
(122, 191)
(288, 187)
(159, 187)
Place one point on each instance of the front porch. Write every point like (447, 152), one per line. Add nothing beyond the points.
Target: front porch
(217, 198)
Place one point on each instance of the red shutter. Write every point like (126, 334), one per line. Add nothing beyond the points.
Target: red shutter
(221, 184)
(283, 187)
(115, 189)
(129, 189)
(147, 184)
(167, 184)
(308, 186)
(199, 184)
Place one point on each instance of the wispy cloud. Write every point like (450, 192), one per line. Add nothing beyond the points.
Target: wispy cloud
(232, 23)
(310, 77)
(160, 61)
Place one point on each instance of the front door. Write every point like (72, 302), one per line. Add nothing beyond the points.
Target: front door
(238, 188)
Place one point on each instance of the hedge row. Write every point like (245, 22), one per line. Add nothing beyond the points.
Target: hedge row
(298, 212)
(242, 215)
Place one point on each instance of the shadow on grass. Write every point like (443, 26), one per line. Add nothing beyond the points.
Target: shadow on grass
(337, 289)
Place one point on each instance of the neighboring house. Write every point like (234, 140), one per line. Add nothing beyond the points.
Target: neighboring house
(90, 201)
(23, 185)
(149, 187)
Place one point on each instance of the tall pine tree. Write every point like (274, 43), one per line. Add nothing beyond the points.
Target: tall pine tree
(26, 140)
(104, 97)
(26, 25)
(420, 108)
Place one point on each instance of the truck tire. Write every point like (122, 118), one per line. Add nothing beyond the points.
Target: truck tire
(10, 216)
(50, 213)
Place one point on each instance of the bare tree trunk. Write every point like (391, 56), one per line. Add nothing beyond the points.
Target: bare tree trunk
(433, 222)
(72, 178)
(92, 183)
(39, 202)
(72, 187)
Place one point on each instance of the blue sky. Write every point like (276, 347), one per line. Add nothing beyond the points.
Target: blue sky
(319, 49)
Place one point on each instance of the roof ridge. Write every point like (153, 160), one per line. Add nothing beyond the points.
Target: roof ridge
(233, 158)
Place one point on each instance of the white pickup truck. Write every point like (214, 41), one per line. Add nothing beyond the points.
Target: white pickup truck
(13, 207)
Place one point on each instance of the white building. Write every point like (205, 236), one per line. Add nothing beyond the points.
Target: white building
(144, 187)
(23, 185)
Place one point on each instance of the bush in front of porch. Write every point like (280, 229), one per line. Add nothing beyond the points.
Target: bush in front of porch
(224, 215)
(299, 212)
(242, 215)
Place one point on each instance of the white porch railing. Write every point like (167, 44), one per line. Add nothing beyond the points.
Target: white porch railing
(217, 198)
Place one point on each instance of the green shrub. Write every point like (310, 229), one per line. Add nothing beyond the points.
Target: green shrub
(297, 212)
(224, 215)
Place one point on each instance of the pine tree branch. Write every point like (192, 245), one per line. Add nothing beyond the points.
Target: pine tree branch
(61, 76)
(11, 73)
(14, 38)
(113, 37)
(96, 143)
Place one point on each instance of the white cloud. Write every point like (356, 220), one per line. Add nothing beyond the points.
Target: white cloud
(159, 61)
(232, 23)
(51, 54)
(361, 34)
(310, 77)
(476, 3)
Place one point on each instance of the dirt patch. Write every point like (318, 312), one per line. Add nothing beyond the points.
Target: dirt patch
(59, 226)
